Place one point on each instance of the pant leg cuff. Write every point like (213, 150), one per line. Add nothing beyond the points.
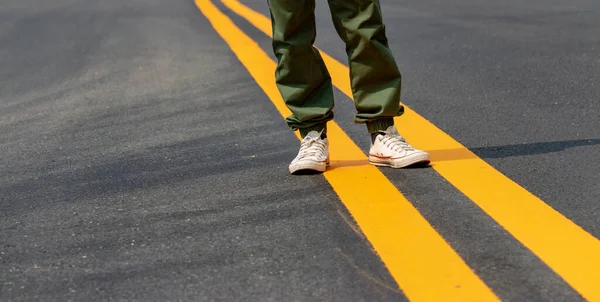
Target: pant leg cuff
(318, 128)
(380, 124)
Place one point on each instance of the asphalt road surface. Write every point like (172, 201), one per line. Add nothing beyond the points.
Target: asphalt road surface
(143, 157)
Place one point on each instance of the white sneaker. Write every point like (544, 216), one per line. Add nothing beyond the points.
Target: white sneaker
(390, 149)
(313, 155)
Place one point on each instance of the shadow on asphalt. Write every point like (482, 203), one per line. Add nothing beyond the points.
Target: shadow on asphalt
(510, 150)
(364, 162)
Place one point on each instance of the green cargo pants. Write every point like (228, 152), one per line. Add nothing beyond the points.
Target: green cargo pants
(303, 79)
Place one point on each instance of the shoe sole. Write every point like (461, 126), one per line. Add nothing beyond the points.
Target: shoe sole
(308, 168)
(404, 162)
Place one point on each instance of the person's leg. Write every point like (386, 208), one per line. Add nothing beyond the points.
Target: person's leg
(301, 75)
(376, 81)
(375, 78)
(303, 81)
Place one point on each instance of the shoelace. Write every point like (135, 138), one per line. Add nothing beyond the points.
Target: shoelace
(311, 146)
(395, 142)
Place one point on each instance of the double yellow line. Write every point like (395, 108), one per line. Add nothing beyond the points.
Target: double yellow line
(423, 264)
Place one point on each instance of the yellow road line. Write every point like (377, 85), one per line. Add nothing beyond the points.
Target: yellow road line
(424, 265)
(569, 250)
